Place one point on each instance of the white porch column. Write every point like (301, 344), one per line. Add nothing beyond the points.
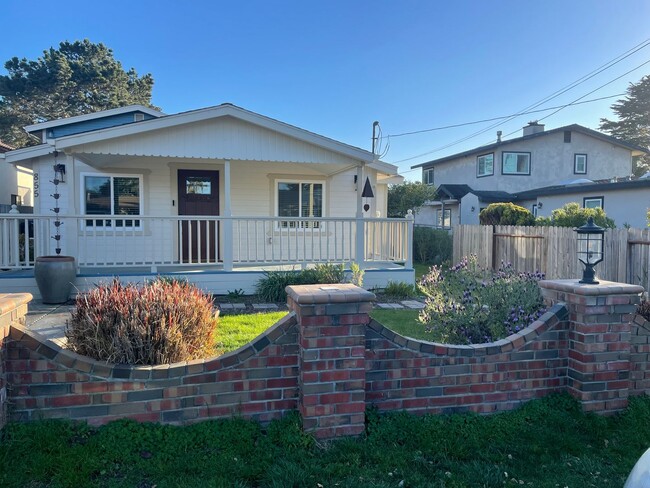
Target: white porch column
(360, 248)
(227, 222)
(410, 221)
(71, 226)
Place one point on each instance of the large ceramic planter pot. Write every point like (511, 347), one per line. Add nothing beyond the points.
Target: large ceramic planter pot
(55, 276)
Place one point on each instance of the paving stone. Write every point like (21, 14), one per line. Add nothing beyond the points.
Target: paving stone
(413, 304)
(232, 306)
(265, 306)
(390, 305)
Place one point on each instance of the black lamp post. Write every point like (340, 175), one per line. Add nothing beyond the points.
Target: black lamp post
(590, 249)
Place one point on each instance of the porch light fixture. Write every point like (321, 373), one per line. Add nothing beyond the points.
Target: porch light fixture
(540, 204)
(590, 249)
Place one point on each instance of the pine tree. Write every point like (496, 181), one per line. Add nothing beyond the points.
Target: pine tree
(75, 79)
(633, 124)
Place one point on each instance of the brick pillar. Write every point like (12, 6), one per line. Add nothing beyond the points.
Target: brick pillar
(332, 321)
(13, 309)
(600, 319)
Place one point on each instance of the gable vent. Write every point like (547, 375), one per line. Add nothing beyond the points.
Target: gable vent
(138, 117)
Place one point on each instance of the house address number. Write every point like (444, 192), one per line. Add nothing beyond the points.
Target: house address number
(36, 185)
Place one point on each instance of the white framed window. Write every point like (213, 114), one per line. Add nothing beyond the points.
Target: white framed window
(580, 164)
(593, 202)
(300, 199)
(485, 165)
(111, 195)
(534, 210)
(515, 163)
(444, 218)
(427, 176)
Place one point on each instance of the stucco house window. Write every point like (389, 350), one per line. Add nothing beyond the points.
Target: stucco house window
(593, 202)
(444, 221)
(485, 165)
(427, 176)
(515, 163)
(580, 164)
(111, 195)
(299, 199)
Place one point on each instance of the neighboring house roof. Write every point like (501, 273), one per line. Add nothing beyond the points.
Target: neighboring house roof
(96, 115)
(162, 121)
(456, 192)
(583, 188)
(5, 147)
(572, 127)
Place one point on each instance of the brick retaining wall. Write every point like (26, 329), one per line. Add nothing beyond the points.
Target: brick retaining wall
(330, 362)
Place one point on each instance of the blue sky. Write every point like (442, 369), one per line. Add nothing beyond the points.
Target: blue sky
(333, 67)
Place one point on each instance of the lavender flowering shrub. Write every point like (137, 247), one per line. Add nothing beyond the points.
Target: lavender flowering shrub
(467, 304)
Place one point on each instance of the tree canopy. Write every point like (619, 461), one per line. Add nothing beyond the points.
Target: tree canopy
(633, 124)
(408, 196)
(77, 78)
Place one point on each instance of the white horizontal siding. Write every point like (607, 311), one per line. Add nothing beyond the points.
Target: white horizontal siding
(224, 138)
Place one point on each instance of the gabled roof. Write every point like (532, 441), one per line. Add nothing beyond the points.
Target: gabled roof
(573, 127)
(96, 115)
(162, 121)
(223, 110)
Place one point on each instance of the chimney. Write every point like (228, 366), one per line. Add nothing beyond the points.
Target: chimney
(533, 127)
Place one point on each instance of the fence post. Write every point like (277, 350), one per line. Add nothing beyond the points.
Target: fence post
(332, 323)
(410, 222)
(600, 317)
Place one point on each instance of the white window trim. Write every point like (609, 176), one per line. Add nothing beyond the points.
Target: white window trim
(440, 222)
(276, 205)
(600, 200)
(519, 173)
(575, 164)
(478, 173)
(425, 176)
(82, 200)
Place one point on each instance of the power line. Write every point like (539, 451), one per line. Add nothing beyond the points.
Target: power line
(572, 85)
(501, 117)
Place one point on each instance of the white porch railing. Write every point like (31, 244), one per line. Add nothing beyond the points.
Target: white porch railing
(105, 241)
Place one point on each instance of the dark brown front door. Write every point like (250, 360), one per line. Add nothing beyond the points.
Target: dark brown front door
(198, 194)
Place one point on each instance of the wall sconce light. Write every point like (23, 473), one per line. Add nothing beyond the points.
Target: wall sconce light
(539, 205)
(590, 249)
(473, 208)
(355, 183)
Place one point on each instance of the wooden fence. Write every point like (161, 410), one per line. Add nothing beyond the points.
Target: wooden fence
(552, 250)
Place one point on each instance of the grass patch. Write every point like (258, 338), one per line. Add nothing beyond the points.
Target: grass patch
(547, 443)
(234, 331)
(404, 322)
(420, 270)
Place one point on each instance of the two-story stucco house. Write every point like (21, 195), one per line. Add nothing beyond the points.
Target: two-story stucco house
(501, 172)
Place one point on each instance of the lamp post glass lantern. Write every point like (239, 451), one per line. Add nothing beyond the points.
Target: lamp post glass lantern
(590, 249)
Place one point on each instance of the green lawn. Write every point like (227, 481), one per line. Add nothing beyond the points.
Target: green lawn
(420, 270)
(234, 331)
(547, 443)
(404, 322)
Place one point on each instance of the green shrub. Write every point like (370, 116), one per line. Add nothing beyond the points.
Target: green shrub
(400, 290)
(573, 215)
(162, 322)
(506, 214)
(271, 287)
(469, 305)
(432, 245)
(356, 274)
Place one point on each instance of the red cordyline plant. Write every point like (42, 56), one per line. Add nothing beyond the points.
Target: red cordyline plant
(163, 321)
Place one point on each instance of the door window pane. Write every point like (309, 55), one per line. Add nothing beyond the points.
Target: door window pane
(312, 200)
(197, 185)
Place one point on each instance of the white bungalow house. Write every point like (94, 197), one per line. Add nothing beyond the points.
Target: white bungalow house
(216, 195)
